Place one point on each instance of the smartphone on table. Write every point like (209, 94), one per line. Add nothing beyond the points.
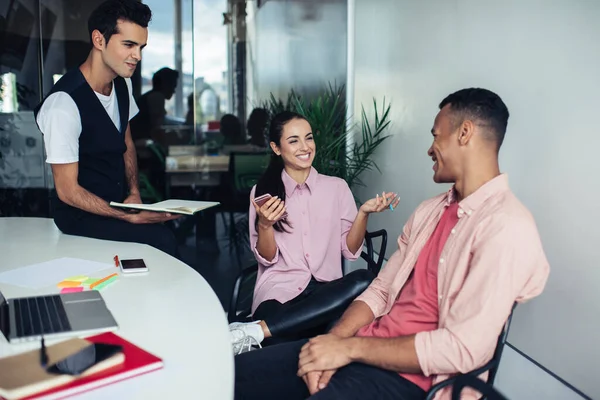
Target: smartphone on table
(133, 266)
(89, 356)
(261, 200)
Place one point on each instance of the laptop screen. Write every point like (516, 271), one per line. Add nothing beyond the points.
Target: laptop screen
(4, 318)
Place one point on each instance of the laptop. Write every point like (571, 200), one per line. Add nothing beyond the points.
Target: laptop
(69, 314)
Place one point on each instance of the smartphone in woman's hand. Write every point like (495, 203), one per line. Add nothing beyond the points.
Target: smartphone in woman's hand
(260, 200)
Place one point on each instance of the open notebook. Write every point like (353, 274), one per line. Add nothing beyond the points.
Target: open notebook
(187, 207)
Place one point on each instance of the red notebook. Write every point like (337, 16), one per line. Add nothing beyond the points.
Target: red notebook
(137, 362)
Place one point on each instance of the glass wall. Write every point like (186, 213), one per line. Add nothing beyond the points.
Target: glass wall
(211, 77)
(189, 36)
(23, 175)
(39, 41)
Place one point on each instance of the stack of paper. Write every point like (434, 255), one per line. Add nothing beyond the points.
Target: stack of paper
(48, 273)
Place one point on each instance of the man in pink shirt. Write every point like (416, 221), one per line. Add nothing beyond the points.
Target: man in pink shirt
(437, 307)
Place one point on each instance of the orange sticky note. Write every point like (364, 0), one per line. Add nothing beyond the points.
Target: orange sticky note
(105, 283)
(68, 284)
(102, 280)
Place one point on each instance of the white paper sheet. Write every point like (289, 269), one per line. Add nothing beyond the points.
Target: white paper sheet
(51, 272)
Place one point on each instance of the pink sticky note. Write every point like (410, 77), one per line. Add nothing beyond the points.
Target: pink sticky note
(72, 289)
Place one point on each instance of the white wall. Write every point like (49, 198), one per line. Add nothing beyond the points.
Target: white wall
(295, 44)
(519, 378)
(542, 57)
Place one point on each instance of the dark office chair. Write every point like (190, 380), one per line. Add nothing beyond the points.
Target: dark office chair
(245, 169)
(491, 367)
(151, 172)
(250, 273)
(485, 389)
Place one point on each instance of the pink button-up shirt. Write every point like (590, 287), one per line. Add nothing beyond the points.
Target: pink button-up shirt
(321, 212)
(492, 258)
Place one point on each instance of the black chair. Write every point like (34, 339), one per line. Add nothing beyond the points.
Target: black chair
(491, 367)
(485, 389)
(245, 169)
(236, 315)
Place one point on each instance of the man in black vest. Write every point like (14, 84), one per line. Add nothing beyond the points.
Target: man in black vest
(85, 123)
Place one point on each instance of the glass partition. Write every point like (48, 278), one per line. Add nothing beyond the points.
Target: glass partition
(23, 175)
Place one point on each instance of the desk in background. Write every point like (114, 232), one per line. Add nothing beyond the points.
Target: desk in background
(195, 170)
(199, 150)
(192, 166)
(171, 312)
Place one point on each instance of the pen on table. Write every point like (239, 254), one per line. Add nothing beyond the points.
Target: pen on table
(116, 258)
(93, 285)
(43, 354)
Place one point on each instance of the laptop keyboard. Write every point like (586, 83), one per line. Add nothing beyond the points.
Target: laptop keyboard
(40, 315)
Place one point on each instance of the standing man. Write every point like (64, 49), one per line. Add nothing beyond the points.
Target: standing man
(85, 123)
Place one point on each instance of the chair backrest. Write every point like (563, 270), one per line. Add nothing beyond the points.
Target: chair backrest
(368, 256)
(246, 168)
(491, 367)
(500, 347)
(486, 389)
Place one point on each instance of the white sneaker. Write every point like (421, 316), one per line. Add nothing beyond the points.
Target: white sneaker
(244, 335)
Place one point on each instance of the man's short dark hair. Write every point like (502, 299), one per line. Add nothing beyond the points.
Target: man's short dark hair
(481, 106)
(104, 18)
(164, 77)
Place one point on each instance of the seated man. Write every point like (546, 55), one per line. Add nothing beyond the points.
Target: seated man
(439, 304)
(257, 127)
(231, 129)
(85, 123)
(151, 117)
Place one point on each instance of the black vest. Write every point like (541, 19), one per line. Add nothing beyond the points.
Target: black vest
(101, 145)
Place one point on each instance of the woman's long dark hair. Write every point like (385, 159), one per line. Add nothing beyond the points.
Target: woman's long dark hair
(270, 182)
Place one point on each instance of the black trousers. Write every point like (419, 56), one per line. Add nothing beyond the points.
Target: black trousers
(98, 227)
(270, 373)
(314, 309)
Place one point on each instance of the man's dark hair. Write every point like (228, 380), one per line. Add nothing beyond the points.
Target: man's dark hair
(483, 107)
(164, 77)
(104, 18)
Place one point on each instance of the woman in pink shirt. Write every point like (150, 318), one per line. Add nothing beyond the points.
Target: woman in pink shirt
(297, 237)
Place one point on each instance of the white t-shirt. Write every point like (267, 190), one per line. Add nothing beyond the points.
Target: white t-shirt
(60, 122)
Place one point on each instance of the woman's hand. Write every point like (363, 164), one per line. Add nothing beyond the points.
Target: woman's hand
(380, 203)
(270, 212)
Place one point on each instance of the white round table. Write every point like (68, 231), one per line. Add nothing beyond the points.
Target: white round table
(171, 312)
